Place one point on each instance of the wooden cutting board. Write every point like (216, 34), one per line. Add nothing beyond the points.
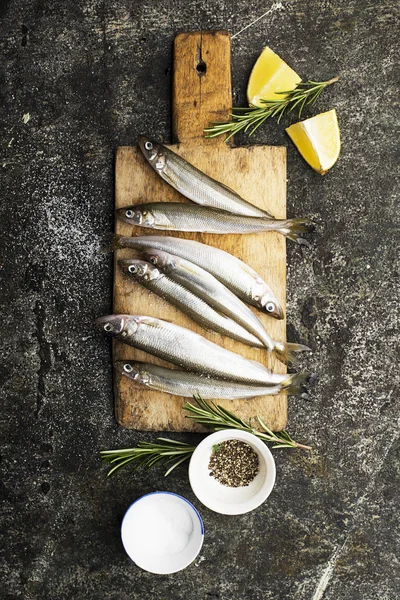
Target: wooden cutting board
(201, 93)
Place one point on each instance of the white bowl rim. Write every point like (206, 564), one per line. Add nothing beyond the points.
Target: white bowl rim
(249, 505)
(193, 508)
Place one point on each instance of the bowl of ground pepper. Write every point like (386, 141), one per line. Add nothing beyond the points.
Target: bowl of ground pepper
(232, 472)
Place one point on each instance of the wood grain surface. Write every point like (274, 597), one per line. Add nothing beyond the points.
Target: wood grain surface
(202, 92)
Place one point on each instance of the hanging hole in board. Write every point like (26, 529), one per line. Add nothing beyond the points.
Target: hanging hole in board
(201, 68)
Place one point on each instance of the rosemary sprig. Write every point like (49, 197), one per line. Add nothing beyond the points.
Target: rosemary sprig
(306, 92)
(172, 453)
(217, 418)
(147, 454)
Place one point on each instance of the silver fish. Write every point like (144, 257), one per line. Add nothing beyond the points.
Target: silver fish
(183, 383)
(158, 282)
(215, 294)
(186, 349)
(193, 183)
(241, 279)
(177, 216)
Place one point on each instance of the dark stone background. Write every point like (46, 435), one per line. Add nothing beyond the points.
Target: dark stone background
(92, 75)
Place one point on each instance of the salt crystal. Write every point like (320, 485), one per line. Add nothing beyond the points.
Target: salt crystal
(161, 528)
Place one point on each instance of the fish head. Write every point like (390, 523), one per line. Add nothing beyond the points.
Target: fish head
(139, 269)
(265, 299)
(136, 215)
(163, 260)
(134, 370)
(273, 308)
(118, 326)
(153, 152)
(128, 368)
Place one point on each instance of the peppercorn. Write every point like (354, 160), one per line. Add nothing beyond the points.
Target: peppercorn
(234, 463)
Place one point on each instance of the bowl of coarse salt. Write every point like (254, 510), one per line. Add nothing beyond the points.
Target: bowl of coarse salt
(232, 472)
(162, 532)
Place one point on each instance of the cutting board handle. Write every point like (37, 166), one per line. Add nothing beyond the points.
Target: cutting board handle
(202, 88)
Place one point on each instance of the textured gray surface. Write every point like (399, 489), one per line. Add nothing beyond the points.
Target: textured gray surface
(92, 75)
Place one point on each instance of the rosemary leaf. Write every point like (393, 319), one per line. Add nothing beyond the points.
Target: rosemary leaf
(249, 119)
(176, 464)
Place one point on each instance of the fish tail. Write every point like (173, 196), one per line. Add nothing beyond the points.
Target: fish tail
(110, 242)
(287, 353)
(294, 228)
(295, 383)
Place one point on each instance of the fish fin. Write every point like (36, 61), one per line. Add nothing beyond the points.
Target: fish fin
(229, 189)
(157, 322)
(168, 179)
(295, 383)
(287, 353)
(267, 214)
(293, 228)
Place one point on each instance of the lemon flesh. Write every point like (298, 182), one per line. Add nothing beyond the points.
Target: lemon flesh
(269, 76)
(318, 140)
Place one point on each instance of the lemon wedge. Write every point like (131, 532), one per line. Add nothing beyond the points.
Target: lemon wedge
(318, 140)
(269, 76)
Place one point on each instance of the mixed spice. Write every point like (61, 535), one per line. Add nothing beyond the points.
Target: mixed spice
(234, 463)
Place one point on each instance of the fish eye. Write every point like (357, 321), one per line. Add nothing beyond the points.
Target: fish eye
(128, 368)
(153, 260)
(108, 327)
(148, 146)
(132, 269)
(270, 307)
(129, 213)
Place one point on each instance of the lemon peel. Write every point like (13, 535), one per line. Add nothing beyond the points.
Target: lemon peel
(269, 78)
(318, 140)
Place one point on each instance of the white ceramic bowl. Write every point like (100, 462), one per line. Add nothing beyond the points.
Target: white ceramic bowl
(223, 499)
(153, 515)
